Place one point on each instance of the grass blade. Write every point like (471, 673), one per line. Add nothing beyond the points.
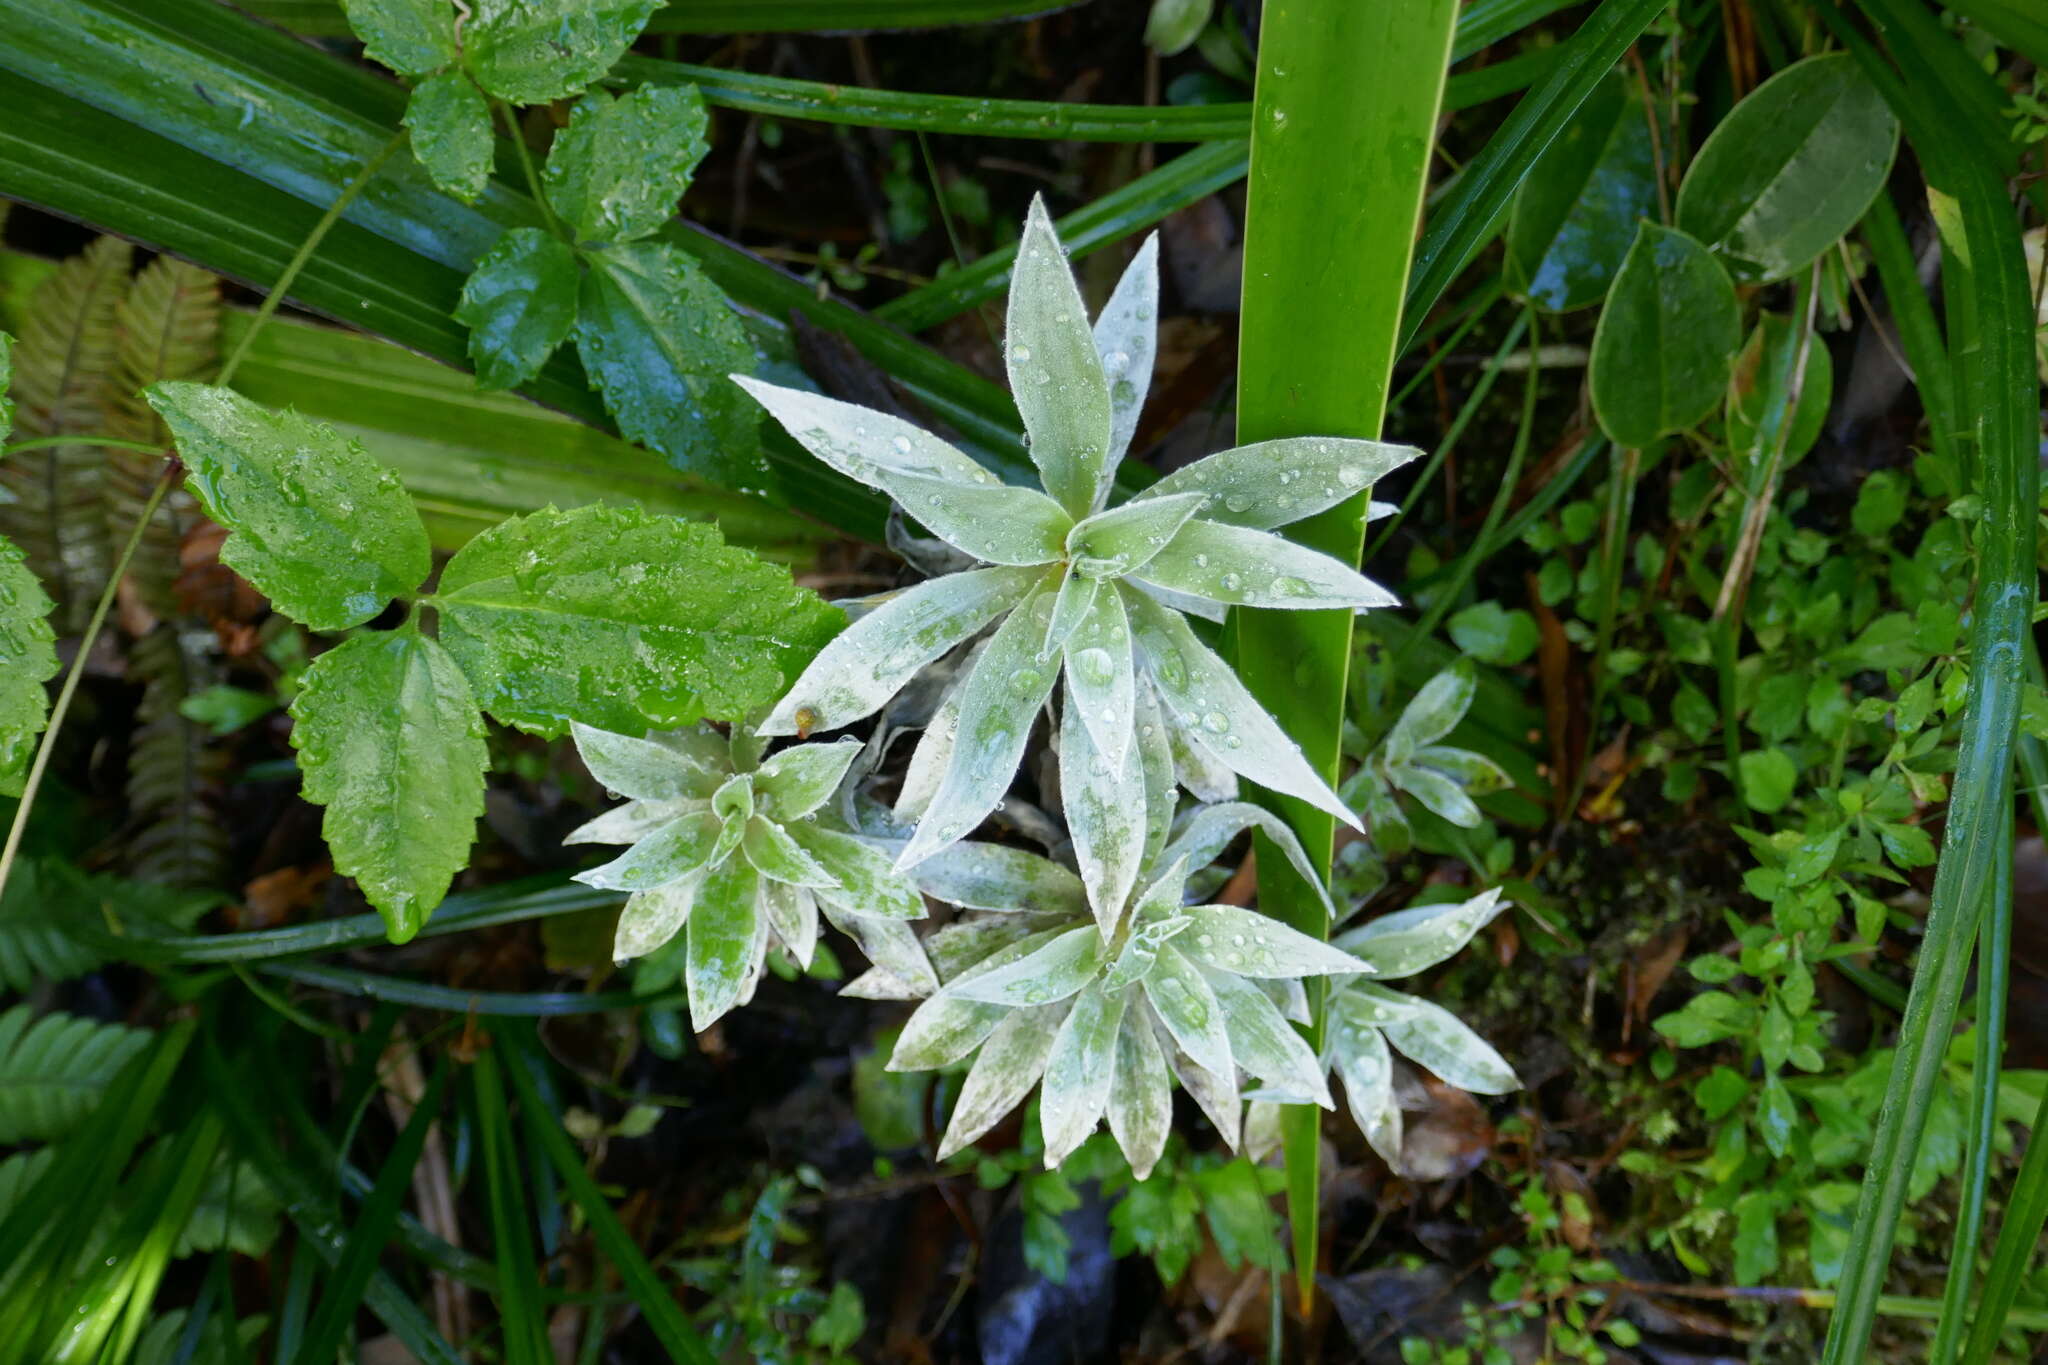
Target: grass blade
(2019, 1239)
(1473, 211)
(1346, 110)
(664, 1316)
(1998, 393)
(523, 1329)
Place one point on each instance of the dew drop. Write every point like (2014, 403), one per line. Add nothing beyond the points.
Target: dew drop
(1238, 502)
(1215, 722)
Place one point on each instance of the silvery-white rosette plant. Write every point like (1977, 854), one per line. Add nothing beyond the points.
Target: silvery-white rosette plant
(1081, 590)
(1101, 975)
(731, 849)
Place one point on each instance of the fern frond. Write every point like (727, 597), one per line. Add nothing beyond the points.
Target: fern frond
(169, 328)
(54, 1069)
(175, 773)
(64, 363)
(32, 943)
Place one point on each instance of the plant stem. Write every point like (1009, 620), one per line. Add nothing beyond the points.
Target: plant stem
(77, 671)
(87, 439)
(304, 254)
(525, 155)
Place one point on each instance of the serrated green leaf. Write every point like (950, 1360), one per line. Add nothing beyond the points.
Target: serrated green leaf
(319, 527)
(390, 742)
(1666, 339)
(412, 37)
(619, 619)
(534, 51)
(1791, 168)
(1576, 212)
(519, 305)
(451, 133)
(1054, 369)
(28, 659)
(616, 172)
(659, 339)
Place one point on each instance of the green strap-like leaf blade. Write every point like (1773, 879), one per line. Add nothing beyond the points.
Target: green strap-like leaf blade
(616, 171)
(1666, 339)
(519, 305)
(1791, 168)
(620, 619)
(660, 338)
(323, 530)
(390, 742)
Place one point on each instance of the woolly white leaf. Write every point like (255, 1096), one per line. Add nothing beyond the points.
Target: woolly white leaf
(929, 759)
(1432, 713)
(1367, 1071)
(1101, 679)
(641, 769)
(792, 913)
(982, 876)
(1252, 944)
(1439, 1040)
(1265, 1044)
(871, 660)
(1010, 1063)
(1215, 1092)
(651, 918)
(998, 703)
(1140, 1097)
(1126, 337)
(802, 778)
(1125, 539)
(1201, 690)
(1079, 1072)
(1250, 568)
(1181, 997)
(1052, 972)
(1410, 941)
(863, 444)
(1271, 483)
(946, 1028)
(1104, 802)
(992, 522)
(1055, 373)
(1209, 829)
(1070, 608)
(632, 822)
(673, 851)
(890, 944)
(779, 858)
(863, 880)
(1155, 753)
(722, 931)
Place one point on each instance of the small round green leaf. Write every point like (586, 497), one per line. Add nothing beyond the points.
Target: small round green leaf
(390, 742)
(1666, 339)
(622, 619)
(1576, 213)
(324, 531)
(1791, 168)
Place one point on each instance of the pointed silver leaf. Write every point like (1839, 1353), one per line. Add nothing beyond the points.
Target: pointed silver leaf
(1271, 483)
(1140, 1095)
(1410, 941)
(1367, 1070)
(793, 914)
(1104, 803)
(1264, 1043)
(1053, 972)
(992, 522)
(651, 918)
(780, 858)
(1155, 752)
(1201, 690)
(639, 768)
(1432, 713)
(864, 881)
(1127, 339)
(1079, 1072)
(632, 822)
(1208, 830)
(722, 931)
(672, 852)
(802, 778)
(1436, 1038)
(861, 443)
(890, 944)
(1180, 995)
(983, 876)
(1010, 1063)
(1070, 607)
(1252, 944)
(872, 659)
(1102, 678)
(1249, 568)
(946, 1028)
(1055, 372)
(1125, 539)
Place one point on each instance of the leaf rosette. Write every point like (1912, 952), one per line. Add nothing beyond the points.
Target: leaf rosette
(736, 851)
(1077, 591)
(1206, 995)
